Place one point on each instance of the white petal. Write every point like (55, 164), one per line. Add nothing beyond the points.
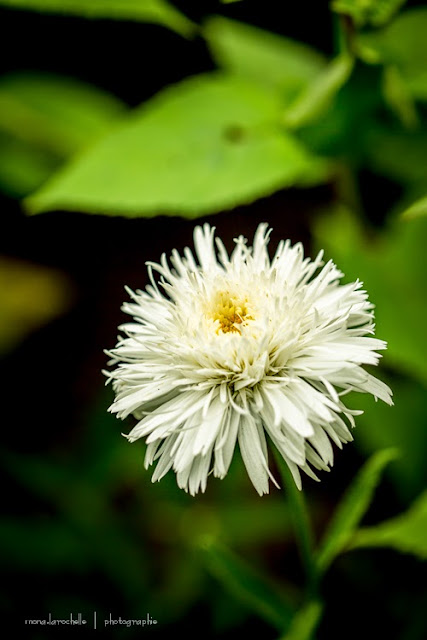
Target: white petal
(286, 411)
(224, 449)
(252, 454)
(209, 427)
(323, 445)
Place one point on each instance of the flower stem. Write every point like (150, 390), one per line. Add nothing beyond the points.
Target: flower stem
(301, 524)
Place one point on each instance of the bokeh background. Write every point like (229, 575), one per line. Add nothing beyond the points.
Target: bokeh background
(82, 527)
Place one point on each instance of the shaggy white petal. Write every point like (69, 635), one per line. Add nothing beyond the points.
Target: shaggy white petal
(229, 349)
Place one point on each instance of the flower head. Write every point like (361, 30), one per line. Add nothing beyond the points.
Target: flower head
(232, 349)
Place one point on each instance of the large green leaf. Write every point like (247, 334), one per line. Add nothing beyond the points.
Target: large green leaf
(45, 118)
(246, 584)
(393, 269)
(405, 533)
(206, 144)
(352, 507)
(375, 12)
(154, 11)
(268, 58)
(403, 44)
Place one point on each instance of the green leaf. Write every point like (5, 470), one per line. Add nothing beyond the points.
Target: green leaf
(393, 269)
(154, 11)
(55, 113)
(272, 60)
(402, 44)
(418, 208)
(375, 12)
(316, 99)
(398, 97)
(44, 119)
(305, 622)
(246, 584)
(405, 533)
(23, 168)
(352, 507)
(206, 144)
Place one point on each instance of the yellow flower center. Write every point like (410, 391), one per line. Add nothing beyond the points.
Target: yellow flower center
(230, 312)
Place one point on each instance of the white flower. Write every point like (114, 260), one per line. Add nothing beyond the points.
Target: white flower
(240, 347)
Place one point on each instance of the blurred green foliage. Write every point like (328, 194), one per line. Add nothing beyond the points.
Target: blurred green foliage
(352, 508)
(405, 533)
(305, 622)
(392, 266)
(273, 114)
(153, 11)
(44, 119)
(375, 12)
(245, 584)
(274, 61)
(30, 297)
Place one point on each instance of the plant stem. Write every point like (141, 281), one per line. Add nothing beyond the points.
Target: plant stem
(301, 524)
(344, 35)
